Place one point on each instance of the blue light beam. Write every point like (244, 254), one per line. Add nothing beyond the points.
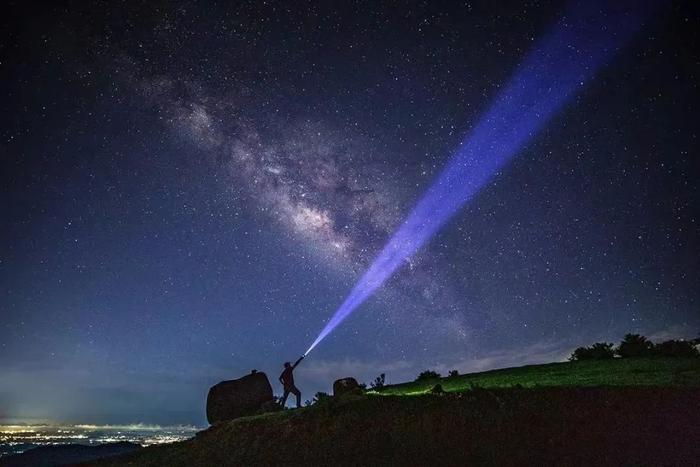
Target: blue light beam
(553, 72)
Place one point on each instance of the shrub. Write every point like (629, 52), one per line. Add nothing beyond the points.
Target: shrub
(378, 382)
(428, 374)
(319, 397)
(676, 348)
(634, 345)
(453, 373)
(597, 351)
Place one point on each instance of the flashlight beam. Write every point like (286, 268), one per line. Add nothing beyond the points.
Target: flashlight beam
(553, 72)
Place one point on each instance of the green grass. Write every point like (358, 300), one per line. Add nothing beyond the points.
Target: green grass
(617, 372)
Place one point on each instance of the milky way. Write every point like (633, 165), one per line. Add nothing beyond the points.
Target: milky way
(325, 185)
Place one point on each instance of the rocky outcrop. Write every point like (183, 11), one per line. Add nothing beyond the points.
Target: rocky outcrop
(345, 386)
(239, 397)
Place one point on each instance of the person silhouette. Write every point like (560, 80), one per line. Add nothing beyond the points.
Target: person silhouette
(287, 380)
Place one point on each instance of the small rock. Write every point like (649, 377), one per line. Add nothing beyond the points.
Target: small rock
(346, 386)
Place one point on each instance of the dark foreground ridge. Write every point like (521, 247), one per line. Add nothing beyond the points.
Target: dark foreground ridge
(68, 454)
(513, 426)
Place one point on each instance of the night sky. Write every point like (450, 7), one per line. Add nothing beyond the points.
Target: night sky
(190, 191)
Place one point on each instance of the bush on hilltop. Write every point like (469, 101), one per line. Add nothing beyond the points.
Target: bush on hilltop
(319, 397)
(428, 374)
(635, 345)
(676, 348)
(597, 351)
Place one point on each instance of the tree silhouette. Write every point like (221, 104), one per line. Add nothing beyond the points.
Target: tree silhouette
(635, 345)
(378, 382)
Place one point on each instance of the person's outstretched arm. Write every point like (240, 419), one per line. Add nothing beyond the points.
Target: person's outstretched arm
(298, 361)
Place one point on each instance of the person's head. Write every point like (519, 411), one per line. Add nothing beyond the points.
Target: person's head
(287, 364)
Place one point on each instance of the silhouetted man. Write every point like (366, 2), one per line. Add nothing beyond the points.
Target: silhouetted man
(287, 380)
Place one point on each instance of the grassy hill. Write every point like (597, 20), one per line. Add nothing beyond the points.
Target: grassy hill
(616, 412)
(616, 372)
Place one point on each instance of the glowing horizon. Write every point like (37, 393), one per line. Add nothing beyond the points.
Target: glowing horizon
(551, 74)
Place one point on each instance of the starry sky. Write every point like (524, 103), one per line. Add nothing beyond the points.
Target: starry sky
(191, 189)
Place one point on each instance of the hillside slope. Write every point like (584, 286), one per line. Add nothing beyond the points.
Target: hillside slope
(555, 425)
(551, 426)
(616, 372)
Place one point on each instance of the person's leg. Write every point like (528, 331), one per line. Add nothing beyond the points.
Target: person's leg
(297, 393)
(284, 397)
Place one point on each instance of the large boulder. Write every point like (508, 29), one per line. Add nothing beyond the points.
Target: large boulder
(238, 398)
(346, 386)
